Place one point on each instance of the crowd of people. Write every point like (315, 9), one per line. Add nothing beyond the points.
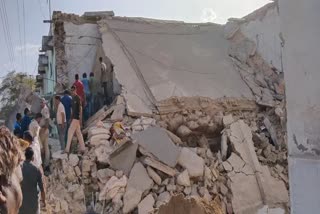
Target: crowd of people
(72, 109)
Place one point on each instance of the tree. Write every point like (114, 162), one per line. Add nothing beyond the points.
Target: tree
(12, 88)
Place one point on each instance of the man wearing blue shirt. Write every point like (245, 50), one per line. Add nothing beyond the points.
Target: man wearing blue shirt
(17, 126)
(85, 82)
(25, 122)
(66, 101)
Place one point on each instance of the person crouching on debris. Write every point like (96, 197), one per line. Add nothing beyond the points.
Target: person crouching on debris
(76, 122)
(10, 172)
(32, 180)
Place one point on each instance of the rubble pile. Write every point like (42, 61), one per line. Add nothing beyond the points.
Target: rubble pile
(220, 161)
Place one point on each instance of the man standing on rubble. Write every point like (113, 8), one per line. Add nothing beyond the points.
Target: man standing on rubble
(61, 121)
(80, 90)
(44, 132)
(66, 100)
(34, 126)
(17, 126)
(76, 121)
(107, 81)
(86, 87)
(32, 180)
(25, 122)
(94, 89)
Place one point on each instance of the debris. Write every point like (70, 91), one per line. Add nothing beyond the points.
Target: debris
(174, 138)
(272, 131)
(155, 177)
(124, 159)
(159, 166)
(192, 162)
(146, 205)
(59, 155)
(118, 112)
(139, 182)
(73, 160)
(227, 120)
(179, 205)
(183, 179)
(112, 187)
(105, 174)
(156, 141)
(163, 198)
(183, 131)
(224, 146)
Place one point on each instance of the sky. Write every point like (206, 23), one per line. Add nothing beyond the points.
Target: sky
(26, 30)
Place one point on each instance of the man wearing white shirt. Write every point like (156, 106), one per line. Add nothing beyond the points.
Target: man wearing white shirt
(61, 121)
(34, 126)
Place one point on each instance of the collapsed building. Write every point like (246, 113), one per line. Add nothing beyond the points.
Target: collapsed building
(203, 106)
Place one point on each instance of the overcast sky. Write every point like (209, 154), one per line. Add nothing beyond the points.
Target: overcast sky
(217, 11)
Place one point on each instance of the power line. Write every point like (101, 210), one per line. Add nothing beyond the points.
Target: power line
(24, 34)
(20, 40)
(7, 33)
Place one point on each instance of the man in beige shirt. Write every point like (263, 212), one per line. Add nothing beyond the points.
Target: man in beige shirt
(61, 121)
(107, 80)
(34, 126)
(44, 132)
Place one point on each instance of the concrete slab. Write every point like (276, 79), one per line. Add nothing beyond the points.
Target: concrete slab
(156, 141)
(160, 166)
(125, 159)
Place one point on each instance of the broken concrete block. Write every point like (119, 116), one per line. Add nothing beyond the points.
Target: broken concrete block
(271, 130)
(73, 160)
(124, 159)
(171, 187)
(96, 140)
(159, 166)
(183, 179)
(104, 174)
(187, 190)
(192, 125)
(192, 162)
(174, 137)
(163, 198)
(223, 189)
(112, 187)
(183, 131)
(79, 193)
(78, 171)
(58, 155)
(224, 146)
(146, 205)
(204, 121)
(227, 120)
(139, 182)
(203, 142)
(118, 112)
(175, 122)
(155, 177)
(119, 173)
(86, 165)
(156, 141)
(97, 131)
(226, 165)
(102, 152)
(131, 199)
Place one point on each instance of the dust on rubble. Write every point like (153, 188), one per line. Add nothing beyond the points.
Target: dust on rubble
(204, 159)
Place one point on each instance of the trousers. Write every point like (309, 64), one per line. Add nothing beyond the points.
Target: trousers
(43, 138)
(62, 133)
(75, 128)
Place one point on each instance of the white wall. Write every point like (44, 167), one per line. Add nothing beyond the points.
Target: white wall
(80, 46)
(265, 32)
(300, 27)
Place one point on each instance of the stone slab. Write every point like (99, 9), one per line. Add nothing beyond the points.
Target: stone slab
(160, 166)
(124, 160)
(157, 141)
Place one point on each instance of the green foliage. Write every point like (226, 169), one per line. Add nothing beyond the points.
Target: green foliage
(10, 88)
